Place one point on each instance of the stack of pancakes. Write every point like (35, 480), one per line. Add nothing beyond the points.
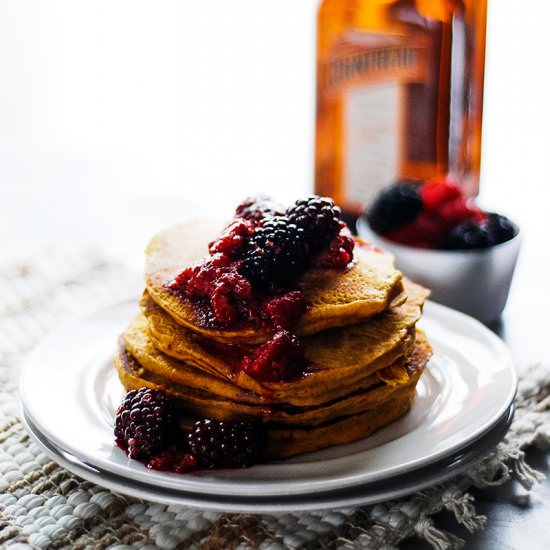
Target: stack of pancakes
(363, 351)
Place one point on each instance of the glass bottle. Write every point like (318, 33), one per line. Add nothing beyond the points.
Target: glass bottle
(399, 94)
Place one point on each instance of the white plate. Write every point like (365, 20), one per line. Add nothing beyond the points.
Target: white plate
(69, 392)
(370, 493)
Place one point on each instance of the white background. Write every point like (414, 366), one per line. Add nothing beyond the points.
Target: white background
(119, 117)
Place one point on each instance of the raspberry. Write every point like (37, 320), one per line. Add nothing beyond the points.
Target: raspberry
(435, 193)
(198, 279)
(144, 422)
(456, 211)
(423, 232)
(284, 310)
(233, 239)
(394, 207)
(257, 208)
(339, 252)
(217, 444)
(277, 253)
(231, 297)
(319, 219)
(279, 359)
(225, 296)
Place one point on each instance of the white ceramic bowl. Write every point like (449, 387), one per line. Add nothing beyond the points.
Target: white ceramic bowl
(476, 282)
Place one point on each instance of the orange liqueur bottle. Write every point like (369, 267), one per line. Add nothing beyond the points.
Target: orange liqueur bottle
(399, 94)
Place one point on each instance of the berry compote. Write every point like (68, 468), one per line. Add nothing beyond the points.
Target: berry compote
(250, 276)
(208, 444)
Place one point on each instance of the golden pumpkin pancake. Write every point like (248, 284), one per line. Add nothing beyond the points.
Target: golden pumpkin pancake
(293, 430)
(168, 370)
(207, 403)
(283, 443)
(289, 441)
(317, 385)
(136, 340)
(337, 298)
(340, 356)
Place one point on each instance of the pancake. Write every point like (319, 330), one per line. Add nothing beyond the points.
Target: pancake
(291, 431)
(340, 357)
(293, 441)
(289, 441)
(337, 298)
(204, 402)
(316, 386)
(169, 370)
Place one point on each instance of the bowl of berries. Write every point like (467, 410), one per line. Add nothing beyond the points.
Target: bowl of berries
(445, 241)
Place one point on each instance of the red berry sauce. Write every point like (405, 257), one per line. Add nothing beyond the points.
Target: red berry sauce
(173, 460)
(283, 310)
(233, 239)
(223, 297)
(339, 253)
(281, 358)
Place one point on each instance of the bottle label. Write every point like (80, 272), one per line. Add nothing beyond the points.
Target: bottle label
(371, 135)
(350, 64)
(371, 75)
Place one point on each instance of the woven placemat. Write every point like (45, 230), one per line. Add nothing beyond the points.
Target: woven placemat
(44, 506)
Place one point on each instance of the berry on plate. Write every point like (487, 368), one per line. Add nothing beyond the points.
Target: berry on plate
(217, 444)
(144, 422)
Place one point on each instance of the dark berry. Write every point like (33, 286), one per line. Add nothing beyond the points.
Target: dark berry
(500, 228)
(277, 253)
(257, 208)
(217, 444)
(279, 359)
(319, 219)
(469, 235)
(394, 207)
(145, 422)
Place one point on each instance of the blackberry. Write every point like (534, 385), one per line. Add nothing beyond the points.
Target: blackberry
(217, 444)
(277, 252)
(144, 422)
(319, 218)
(469, 235)
(394, 206)
(257, 208)
(500, 228)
